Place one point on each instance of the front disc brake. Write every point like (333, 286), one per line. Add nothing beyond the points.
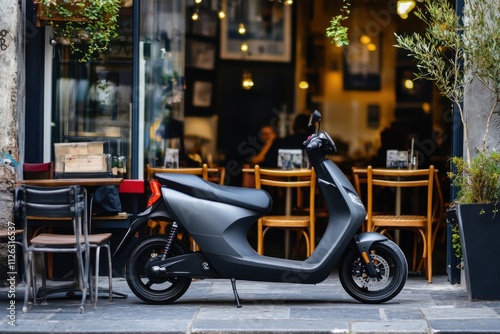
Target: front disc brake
(364, 280)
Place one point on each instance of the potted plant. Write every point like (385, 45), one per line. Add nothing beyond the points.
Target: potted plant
(460, 55)
(87, 26)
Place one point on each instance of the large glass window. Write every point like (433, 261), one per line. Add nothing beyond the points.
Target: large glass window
(92, 101)
(161, 80)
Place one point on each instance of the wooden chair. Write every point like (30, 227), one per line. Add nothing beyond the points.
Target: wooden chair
(438, 215)
(288, 180)
(202, 171)
(37, 171)
(54, 203)
(360, 181)
(422, 224)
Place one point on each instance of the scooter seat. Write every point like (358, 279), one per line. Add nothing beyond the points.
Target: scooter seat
(193, 185)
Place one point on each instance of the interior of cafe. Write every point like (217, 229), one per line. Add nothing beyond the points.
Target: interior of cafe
(176, 77)
(188, 82)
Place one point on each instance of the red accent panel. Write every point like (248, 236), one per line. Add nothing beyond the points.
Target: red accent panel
(129, 186)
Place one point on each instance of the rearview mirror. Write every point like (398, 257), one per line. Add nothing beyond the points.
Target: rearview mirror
(315, 119)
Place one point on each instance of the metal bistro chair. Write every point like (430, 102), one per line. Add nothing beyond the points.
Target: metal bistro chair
(40, 171)
(60, 204)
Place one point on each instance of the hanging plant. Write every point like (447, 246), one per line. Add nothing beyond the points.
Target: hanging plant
(336, 31)
(87, 26)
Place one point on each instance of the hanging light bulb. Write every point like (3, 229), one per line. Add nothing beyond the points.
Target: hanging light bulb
(244, 47)
(221, 12)
(408, 83)
(371, 47)
(365, 39)
(197, 2)
(241, 29)
(195, 16)
(247, 82)
(303, 84)
(404, 7)
(289, 2)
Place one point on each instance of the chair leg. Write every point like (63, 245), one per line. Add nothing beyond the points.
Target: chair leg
(29, 279)
(97, 262)
(83, 259)
(110, 273)
(44, 279)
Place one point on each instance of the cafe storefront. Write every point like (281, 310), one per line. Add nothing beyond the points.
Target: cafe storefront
(131, 99)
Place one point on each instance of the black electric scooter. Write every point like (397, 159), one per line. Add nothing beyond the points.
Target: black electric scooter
(160, 268)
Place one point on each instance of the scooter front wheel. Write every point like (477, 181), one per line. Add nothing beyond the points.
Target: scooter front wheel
(393, 271)
(151, 289)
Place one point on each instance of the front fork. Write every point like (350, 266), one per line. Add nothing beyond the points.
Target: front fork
(363, 243)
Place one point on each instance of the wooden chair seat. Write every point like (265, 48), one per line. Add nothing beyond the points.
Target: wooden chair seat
(396, 221)
(67, 239)
(286, 221)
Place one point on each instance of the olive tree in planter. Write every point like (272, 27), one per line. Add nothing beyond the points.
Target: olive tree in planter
(459, 54)
(86, 25)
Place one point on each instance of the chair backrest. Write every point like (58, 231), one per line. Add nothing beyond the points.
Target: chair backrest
(52, 203)
(37, 171)
(439, 206)
(300, 179)
(401, 178)
(217, 175)
(201, 171)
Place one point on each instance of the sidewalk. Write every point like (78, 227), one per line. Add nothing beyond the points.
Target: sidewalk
(208, 307)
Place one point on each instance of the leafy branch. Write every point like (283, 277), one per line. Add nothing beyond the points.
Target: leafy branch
(336, 31)
(453, 49)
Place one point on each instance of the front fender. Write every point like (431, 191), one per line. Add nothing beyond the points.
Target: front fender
(365, 240)
(157, 211)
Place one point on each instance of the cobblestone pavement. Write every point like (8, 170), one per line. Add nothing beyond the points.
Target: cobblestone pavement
(208, 307)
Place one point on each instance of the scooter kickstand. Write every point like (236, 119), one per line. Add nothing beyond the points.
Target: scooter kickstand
(236, 297)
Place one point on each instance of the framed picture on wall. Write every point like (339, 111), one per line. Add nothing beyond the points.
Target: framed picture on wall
(200, 55)
(362, 64)
(268, 31)
(202, 94)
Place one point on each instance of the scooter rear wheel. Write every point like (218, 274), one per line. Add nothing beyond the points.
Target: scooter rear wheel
(391, 262)
(154, 290)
